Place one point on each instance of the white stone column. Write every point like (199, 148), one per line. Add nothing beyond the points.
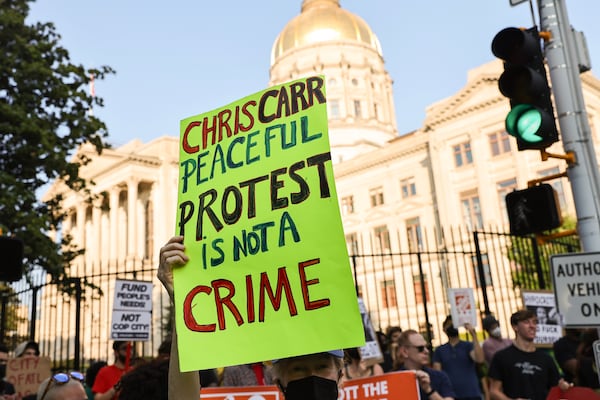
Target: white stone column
(132, 193)
(114, 223)
(66, 224)
(96, 242)
(79, 238)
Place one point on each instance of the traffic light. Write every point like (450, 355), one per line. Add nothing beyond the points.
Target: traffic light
(533, 210)
(524, 82)
(11, 251)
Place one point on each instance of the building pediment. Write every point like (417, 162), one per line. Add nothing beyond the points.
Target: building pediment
(480, 91)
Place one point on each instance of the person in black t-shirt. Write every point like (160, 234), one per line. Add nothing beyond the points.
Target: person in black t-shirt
(521, 371)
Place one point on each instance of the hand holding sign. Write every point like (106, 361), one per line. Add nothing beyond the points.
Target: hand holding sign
(171, 255)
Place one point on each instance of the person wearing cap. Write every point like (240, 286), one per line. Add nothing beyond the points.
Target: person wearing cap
(306, 377)
(27, 349)
(413, 350)
(495, 341)
(522, 371)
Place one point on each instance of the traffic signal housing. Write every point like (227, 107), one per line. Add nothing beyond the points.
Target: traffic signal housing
(525, 84)
(11, 267)
(533, 210)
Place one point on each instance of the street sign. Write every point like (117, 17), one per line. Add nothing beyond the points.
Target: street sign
(576, 280)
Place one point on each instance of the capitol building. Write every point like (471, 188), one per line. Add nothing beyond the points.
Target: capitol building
(403, 196)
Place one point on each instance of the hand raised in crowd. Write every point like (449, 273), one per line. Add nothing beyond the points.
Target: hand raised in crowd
(171, 255)
(470, 329)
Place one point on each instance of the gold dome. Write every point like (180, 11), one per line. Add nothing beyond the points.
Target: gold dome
(323, 21)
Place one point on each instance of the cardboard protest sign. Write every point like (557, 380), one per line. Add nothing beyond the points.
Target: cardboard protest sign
(270, 392)
(269, 274)
(462, 306)
(27, 373)
(132, 310)
(393, 385)
(542, 303)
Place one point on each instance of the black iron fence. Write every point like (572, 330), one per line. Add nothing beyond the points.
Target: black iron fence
(407, 288)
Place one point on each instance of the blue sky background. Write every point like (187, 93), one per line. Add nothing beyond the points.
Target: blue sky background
(179, 58)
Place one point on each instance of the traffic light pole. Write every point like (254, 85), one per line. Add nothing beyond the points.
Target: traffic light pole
(560, 52)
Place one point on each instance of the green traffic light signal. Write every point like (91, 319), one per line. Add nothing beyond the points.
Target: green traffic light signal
(524, 83)
(527, 123)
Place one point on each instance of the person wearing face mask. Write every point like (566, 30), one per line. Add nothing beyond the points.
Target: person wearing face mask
(7, 390)
(306, 377)
(495, 341)
(106, 385)
(309, 377)
(459, 359)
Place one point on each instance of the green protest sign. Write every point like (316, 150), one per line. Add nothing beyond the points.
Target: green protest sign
(269, 273)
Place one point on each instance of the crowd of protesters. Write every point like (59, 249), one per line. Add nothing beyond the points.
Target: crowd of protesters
(461, 369)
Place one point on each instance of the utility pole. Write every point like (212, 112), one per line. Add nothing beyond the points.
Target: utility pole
(563, 63)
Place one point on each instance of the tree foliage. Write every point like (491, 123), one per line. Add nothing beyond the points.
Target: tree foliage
(532, 257)
(44, 118)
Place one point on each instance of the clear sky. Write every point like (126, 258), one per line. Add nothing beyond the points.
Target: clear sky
(179, 58)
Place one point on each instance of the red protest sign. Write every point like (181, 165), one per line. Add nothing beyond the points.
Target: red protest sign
(393, 385)
(574, 393)
(242, 393)
(26, 373)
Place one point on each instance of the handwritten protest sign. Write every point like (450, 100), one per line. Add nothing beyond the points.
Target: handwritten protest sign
(269, 275)
(393, 385)
(27, 373)
(542, 303)
(132, 310)
(462, 306)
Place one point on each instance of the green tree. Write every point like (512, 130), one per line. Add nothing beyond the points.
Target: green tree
(527, 251)
(44, 118)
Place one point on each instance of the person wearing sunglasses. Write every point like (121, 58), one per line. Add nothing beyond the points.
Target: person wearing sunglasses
(433, 384)
(63, 386)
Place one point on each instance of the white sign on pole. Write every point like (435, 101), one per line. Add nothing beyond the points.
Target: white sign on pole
(132, 310)
(462, 307)
(576, 279)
